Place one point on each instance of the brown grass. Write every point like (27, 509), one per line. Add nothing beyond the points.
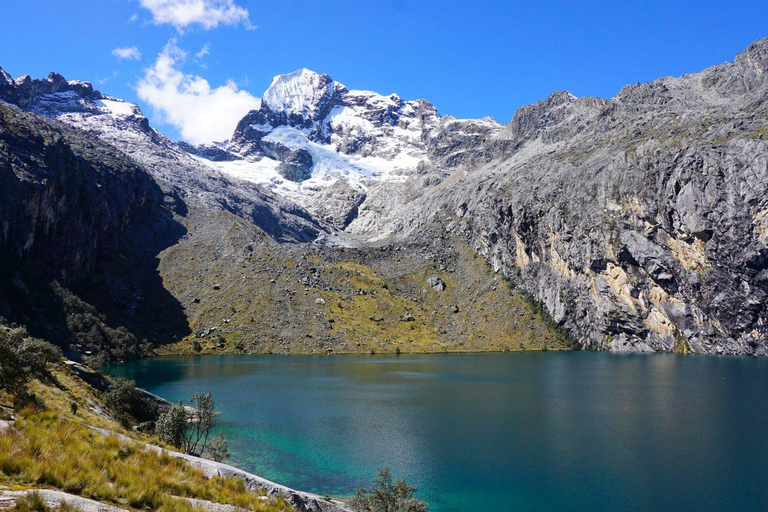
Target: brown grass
(45, 450)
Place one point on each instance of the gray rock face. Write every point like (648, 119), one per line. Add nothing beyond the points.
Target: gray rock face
(65, 202)
(295, 163)
(639, 221)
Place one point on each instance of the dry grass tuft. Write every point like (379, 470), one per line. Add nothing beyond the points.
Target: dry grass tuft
(45, 450)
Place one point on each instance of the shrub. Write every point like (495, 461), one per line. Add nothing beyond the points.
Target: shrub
(218, 448)
(190, 431)
(31, 502)
(387, 496)
(202, 422)
(123, 399)
(88, 330)
(22, 361)
(171, 425)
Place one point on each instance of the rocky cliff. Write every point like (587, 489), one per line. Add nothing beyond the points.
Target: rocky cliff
(639, 221)
(76, 215)
(65, 202)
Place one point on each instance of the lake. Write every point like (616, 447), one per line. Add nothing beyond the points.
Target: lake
(498, 432)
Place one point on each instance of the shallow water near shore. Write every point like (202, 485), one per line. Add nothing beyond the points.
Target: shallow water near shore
(520, 431)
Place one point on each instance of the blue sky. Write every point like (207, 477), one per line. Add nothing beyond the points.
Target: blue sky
(469, 58)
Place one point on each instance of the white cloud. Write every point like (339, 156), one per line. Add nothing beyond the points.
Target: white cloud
(206, 13)
(133, 18)
(127, 53)
(203, 52)
(200, 112)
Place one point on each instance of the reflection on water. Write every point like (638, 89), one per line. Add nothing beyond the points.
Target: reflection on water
(527, 431)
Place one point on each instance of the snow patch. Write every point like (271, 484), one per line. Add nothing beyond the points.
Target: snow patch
(345, 118)
(120, 108)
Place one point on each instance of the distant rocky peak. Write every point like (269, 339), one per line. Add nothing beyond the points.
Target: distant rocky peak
(755, 56)
(531, 119)
(5, 78)
(303, 94)
(25, 91)
(55, 77)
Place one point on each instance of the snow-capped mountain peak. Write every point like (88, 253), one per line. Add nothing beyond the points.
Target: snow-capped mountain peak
(302, 93)
(312, 141)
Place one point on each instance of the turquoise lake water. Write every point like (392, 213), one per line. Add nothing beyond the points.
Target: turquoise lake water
(499, 432)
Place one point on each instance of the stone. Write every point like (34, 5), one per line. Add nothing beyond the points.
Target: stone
(436, 284)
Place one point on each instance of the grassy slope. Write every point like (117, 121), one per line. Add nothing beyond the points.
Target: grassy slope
(55, 449)
(247, 293)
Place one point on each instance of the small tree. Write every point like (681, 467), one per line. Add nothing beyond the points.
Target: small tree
(13, 377)
(387, 496)
(171, 425)
(125, 400)
(202, 421)
(37, 355)
(190, 430)
(22, 361)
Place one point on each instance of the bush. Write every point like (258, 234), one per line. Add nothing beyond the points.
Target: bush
(123, 399)
(202, 423)
(190, 431)
(171, 425)
(387, 496)
(218, 448)
(88, 330)
(22, 361)
(31, 502)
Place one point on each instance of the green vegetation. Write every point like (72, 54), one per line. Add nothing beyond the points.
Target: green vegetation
(88, 332)
(244, 293)
(171, 426)
(386, 495)
(22, 359)
(33, 502)
(218, 448)
(126, 403)
(190, 431)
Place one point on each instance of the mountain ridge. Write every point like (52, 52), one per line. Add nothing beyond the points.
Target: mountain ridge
(637, 221)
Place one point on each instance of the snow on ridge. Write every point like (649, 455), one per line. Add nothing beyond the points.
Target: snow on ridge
(298, 93)
(328, 162)
(346, 118)
(329, 165)
(118, 107)
(79, 82)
